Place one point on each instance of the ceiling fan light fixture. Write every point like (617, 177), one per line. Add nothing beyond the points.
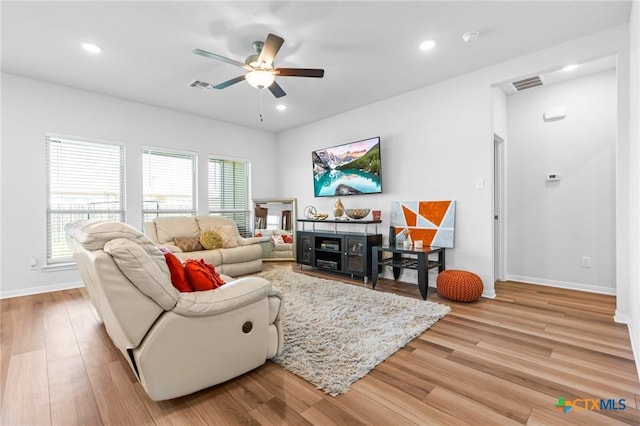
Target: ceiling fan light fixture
(261, 71)
(260, 78)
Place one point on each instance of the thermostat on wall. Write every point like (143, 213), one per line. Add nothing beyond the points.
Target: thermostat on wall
(553, 177)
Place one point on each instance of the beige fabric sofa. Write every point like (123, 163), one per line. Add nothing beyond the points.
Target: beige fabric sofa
(244, 259)
(176, 343)
(271, 249)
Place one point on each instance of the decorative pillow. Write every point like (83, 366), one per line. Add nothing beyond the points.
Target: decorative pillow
(168, 228)
(202, 276)
(287, 239)
(228, 234)
(189, 243)
(258, 234)
(211, 240)
(277, 239)
(216, 276)
(176, 269)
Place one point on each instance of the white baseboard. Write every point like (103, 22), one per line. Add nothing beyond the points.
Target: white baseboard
(622, 318)
(631, 328)
(489, 294)
(563, 284)
(39, 290)
(635, 345)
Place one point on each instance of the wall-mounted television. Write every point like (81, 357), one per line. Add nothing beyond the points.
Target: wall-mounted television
(349, 169)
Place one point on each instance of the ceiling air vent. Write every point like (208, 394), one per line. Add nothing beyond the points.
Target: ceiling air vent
(527, 83)
(200, 85)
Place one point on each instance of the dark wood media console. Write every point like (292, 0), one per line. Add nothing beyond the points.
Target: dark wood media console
(344, 252)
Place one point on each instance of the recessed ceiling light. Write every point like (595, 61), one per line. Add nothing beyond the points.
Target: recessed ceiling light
(92, 48)
(570, 67)
(427, 45)
(281, 107)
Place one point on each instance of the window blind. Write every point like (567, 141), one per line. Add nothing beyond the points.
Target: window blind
(228, 183)
(85, 180)
(169, 185)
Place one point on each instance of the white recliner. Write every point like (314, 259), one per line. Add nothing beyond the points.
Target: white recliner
(176, 343)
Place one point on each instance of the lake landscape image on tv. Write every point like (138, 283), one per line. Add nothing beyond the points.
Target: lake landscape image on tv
(348, 169)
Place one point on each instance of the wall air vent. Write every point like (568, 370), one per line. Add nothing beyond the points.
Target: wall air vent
(527, 83)
(200, 85)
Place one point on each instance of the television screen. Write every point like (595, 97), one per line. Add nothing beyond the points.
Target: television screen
(349, 169)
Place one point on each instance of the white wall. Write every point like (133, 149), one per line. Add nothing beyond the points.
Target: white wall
(632, 314)
(437, 142)
(552, 225)
(499, 115)
(427, 139)
(31, 108)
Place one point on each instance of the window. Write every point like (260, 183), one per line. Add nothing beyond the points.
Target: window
(273, 222)
(85, 180)
(169, 185)
(229, 191)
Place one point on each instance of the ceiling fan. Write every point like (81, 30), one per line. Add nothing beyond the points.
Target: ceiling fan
(261, 71)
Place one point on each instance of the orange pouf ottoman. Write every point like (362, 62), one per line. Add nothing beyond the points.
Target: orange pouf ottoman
(461, 286)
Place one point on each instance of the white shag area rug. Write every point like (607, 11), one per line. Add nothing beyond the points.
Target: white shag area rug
(335, 333)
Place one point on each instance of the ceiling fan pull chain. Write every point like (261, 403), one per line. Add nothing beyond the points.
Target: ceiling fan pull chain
(261, 120)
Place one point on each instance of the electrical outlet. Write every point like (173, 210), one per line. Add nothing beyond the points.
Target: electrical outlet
(33, 262)
(586, 262)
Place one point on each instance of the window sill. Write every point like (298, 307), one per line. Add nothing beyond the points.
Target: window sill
(55, 267)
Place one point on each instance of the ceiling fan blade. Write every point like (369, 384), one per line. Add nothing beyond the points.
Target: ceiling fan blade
(276, 90)
(229, 82)
(300, 72)
(270, 49)
(221, 58)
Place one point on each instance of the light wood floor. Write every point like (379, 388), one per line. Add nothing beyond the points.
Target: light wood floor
(493, 362)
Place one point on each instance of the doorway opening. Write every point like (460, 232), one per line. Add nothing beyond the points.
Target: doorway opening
(555, 180)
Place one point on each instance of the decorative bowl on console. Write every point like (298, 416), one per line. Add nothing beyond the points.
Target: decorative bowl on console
(357, 213)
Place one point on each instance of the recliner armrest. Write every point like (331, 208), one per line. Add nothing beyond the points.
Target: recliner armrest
(232, 295)
(249, 241)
